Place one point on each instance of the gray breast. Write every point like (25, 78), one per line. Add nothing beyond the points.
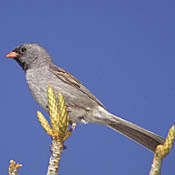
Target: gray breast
(38, 81)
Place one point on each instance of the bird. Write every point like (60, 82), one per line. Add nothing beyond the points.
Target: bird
(82, 105)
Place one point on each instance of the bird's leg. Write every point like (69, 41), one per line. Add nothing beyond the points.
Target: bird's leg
(72, 128)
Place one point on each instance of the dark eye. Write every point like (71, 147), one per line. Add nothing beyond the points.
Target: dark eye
(23, 49)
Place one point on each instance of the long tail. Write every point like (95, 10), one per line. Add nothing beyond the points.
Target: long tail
(136, 133)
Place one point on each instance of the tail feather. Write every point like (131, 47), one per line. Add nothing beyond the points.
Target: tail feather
(136, 133)
(132, 131)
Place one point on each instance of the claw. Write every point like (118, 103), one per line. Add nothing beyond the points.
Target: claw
(73, 126)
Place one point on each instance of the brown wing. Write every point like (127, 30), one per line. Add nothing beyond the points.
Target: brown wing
(71, 80)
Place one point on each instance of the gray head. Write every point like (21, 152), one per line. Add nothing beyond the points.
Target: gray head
(30, 55)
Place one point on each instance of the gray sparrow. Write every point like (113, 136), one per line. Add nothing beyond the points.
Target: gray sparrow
(82, 105)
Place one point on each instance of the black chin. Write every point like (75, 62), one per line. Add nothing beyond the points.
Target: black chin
(22, 64)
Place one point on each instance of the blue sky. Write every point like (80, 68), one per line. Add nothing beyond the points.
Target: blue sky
(123, 51)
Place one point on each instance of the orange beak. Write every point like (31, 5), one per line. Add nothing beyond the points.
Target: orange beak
(12, 55)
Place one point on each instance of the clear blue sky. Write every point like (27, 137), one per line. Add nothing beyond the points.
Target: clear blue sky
(123, 51)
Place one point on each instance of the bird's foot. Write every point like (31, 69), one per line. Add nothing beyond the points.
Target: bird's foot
(72, 128)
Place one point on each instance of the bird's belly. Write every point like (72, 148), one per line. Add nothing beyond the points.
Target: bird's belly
(79, 105)
(39, 93)
(38, 87)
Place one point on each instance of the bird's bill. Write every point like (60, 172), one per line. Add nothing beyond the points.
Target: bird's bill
(12, 55)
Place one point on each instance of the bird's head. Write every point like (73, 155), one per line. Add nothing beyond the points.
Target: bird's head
(30, 55)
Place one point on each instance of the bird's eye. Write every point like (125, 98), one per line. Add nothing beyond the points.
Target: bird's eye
(23, 49)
